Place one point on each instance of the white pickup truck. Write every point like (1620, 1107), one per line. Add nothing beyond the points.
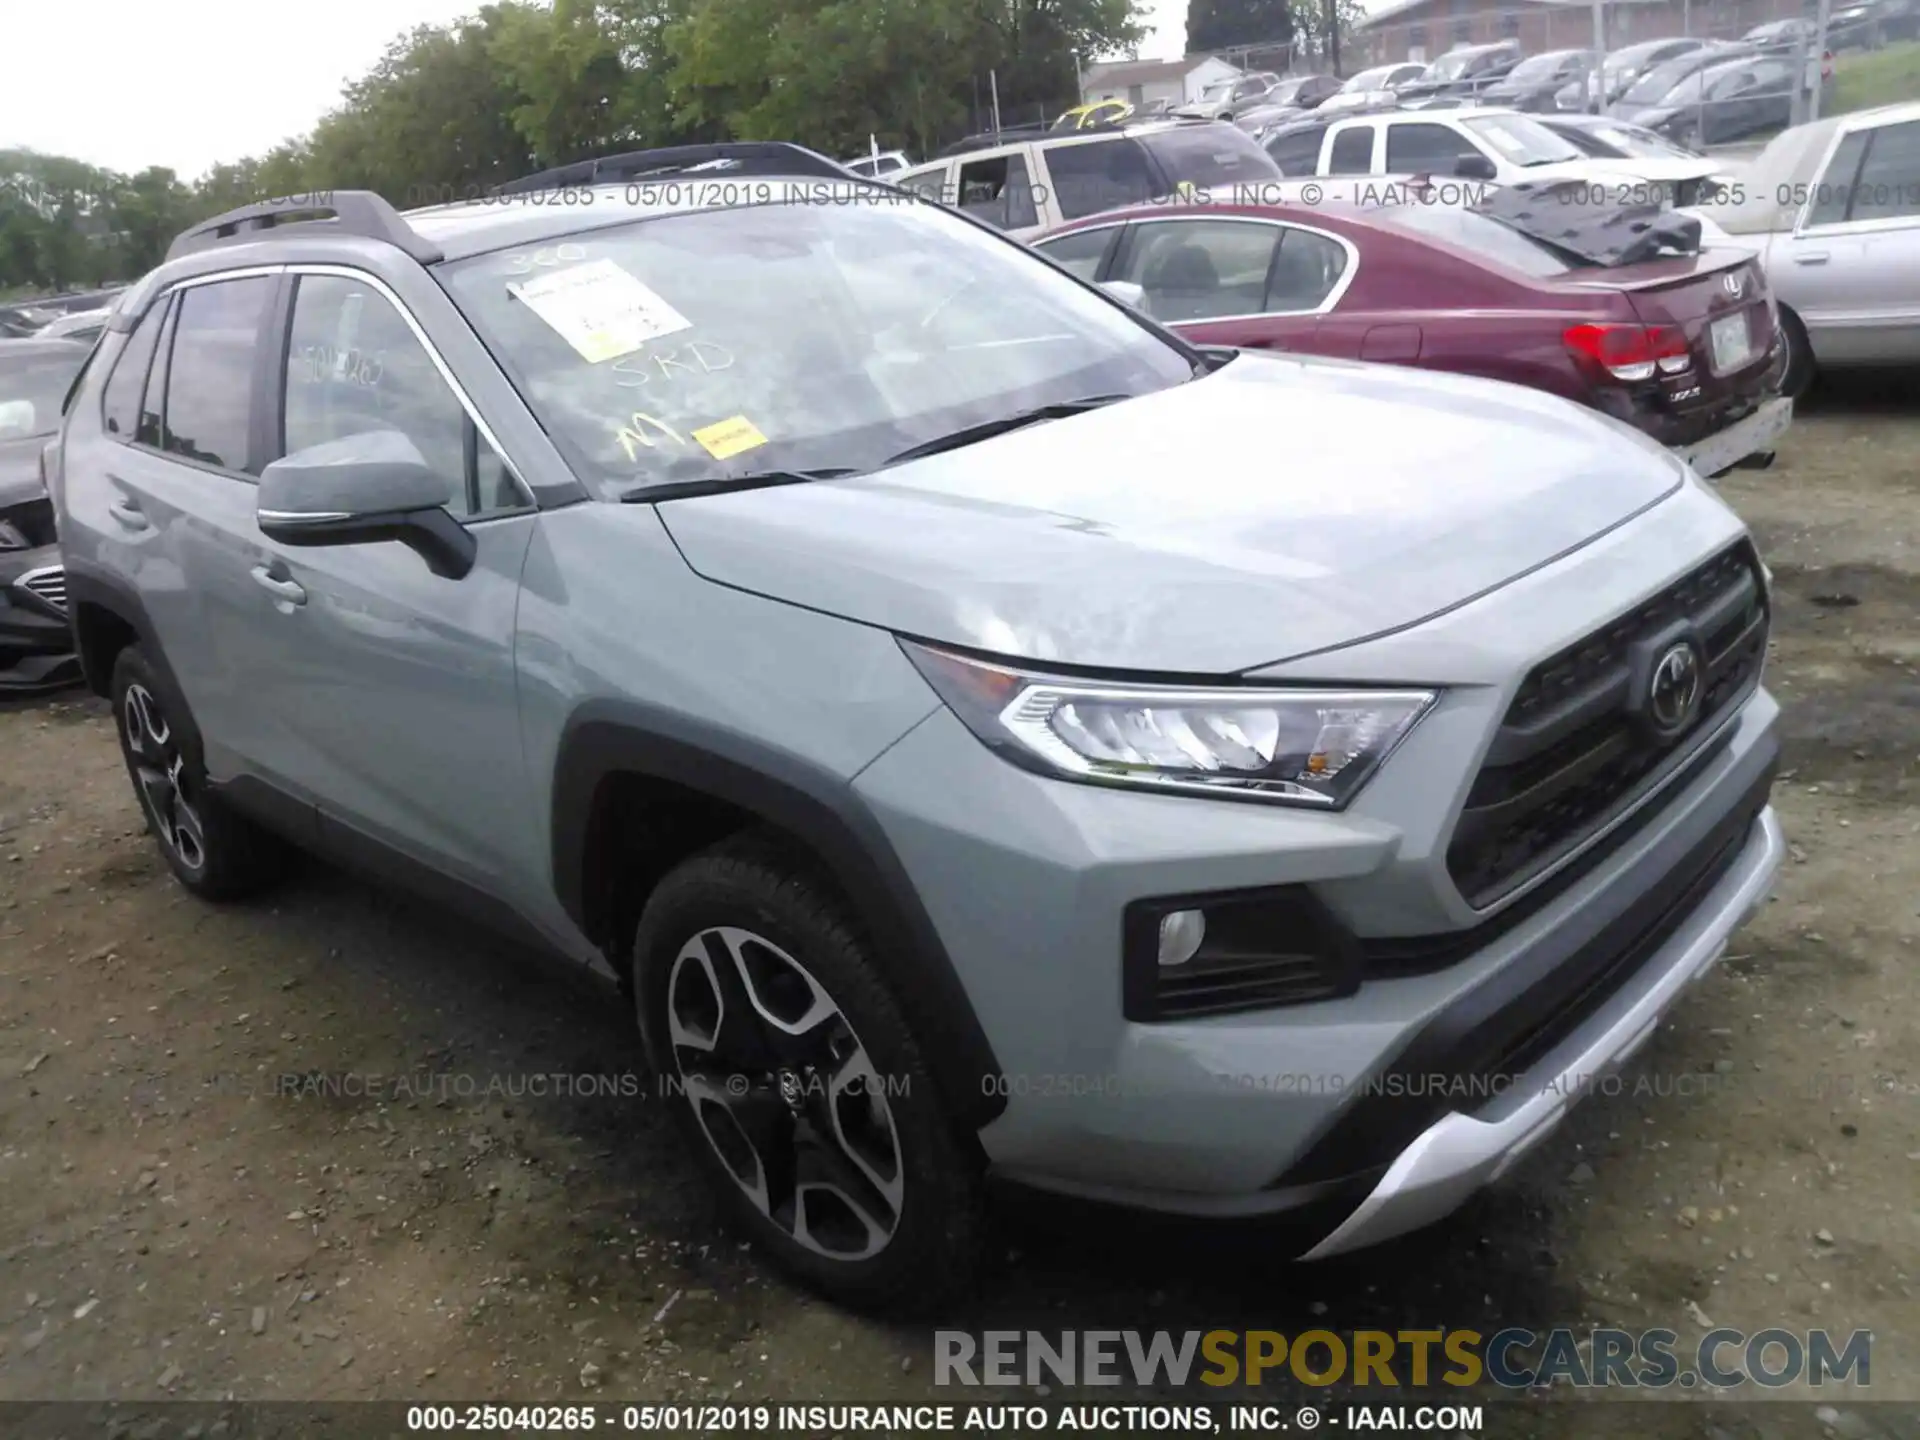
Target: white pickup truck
(1474, 144)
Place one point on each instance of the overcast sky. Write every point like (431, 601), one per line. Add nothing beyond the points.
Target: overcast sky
(189, 83)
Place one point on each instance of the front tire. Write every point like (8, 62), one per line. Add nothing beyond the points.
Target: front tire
(798, 1083)
(215, 853)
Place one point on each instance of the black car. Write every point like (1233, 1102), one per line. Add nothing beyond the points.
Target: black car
(1533, 83)
(1780, 37)
(1869, 24)
(1650, 91)
(1461, 75)
(36, 645)
(1726, 102)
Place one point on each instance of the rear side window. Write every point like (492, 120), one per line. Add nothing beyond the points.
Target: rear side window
(1352, 152)
(121, 404)
(1299, 152)
(1200, 269)
(1099, 175)
(1424, 149)
(998, 191)
(930, 185)
(210, 374)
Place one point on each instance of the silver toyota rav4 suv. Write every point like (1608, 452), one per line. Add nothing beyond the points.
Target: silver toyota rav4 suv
(982, 733)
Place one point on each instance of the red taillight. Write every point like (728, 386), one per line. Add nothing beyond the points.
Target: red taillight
(1631, 352)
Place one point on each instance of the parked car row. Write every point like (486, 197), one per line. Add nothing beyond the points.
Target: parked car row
(36, 646)
(1697, 91)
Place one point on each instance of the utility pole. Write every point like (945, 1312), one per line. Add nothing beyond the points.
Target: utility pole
(1598, 93)
(1819, 59)
(993, 86)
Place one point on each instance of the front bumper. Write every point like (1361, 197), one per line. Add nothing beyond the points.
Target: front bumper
(1026, 881)
(1461, 1153)
(36, 641)
(1754, 435)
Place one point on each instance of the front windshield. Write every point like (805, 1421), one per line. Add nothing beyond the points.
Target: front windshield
(711, 344)
(1374, 79)
(1689, 91)
(1658, 81)
(31, 389)
(1217, 90)
(1448, 67)
(1522, 141)
(1537, 68)
(1641, 144)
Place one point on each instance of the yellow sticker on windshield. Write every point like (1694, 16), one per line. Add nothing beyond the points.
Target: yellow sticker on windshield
(729, 438)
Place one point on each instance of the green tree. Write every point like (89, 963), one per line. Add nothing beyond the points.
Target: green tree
(144, 214)
(433, 118)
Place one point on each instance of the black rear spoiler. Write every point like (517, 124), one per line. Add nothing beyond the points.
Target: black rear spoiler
(1607, 228)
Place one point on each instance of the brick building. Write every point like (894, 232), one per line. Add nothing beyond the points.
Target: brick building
(1425, 29)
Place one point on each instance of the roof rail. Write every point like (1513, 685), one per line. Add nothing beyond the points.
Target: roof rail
(732, 159)
(353, 212)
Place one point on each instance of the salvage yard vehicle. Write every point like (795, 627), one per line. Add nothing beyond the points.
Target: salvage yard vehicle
(1679, 345)
(1502, 146)
(1026, 185)
(1609, 139)
(1831, 209)
(813, 616)
(36, 644)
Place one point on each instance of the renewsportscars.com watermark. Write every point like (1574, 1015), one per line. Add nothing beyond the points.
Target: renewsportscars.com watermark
(1513, 1359)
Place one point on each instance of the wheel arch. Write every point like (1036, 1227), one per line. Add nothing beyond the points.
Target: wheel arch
(613, 755)
(107, 615)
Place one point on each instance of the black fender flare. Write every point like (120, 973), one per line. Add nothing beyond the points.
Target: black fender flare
(605, 738)
(116, 596)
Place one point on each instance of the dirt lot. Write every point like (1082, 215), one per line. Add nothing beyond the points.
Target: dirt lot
(168, 1229)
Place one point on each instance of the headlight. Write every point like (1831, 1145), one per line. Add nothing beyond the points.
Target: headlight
(1292, 746)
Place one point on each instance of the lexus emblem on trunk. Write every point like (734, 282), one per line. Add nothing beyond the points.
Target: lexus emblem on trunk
(1675, 692)
(1734, 284)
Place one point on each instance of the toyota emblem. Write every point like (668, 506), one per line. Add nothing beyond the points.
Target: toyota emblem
(1734, 284)
(1674, 693)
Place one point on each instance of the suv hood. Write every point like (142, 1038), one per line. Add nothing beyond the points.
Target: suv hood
(1277, 507)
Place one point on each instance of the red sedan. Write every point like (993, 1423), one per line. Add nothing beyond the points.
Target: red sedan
(1680, 345)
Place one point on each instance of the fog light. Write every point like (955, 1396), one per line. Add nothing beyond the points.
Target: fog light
(1181, 933)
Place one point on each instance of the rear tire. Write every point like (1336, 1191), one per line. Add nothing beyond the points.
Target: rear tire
(214, 852)
(799, 1085)
(1799, 372)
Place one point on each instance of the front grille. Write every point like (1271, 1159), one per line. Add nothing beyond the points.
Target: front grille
(49, 586)
(1572, 756)
(33, 519)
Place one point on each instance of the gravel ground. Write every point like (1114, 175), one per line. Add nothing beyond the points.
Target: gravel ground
(170, 1228)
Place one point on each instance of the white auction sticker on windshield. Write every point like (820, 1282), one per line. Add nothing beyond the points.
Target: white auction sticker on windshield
(599, 309)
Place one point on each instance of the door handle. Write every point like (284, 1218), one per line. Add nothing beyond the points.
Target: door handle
(128, 514)
(280, 589)
(1810, 257)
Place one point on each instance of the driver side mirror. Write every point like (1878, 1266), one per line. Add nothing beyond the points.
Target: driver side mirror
(365, 488)
(1475, 167)
(1125, 291)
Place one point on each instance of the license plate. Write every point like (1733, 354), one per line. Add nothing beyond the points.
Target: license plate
(1732, 342)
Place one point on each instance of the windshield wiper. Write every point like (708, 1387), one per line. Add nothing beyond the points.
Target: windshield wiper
(725, 484)
(987, 429)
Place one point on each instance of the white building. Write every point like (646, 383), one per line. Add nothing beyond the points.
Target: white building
(1140, 82)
